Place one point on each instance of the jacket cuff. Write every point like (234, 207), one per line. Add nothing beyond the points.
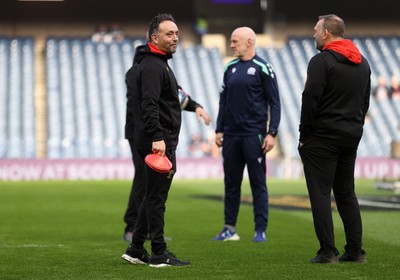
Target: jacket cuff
(158, 136)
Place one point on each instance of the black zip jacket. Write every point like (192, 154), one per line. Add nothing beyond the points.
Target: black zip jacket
(335, 99)
(153, 110)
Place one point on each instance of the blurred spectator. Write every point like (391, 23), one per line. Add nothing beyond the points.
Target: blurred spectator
(394, 92)
(213, 149)
(367, 118)
(201, 25)
(101, 34)
(381, 91)
(108, 34)
(198, 147)
(116, 32)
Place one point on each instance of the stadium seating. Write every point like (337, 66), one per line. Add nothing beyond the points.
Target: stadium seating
(86, 94)
(17, 114)
(199, 72)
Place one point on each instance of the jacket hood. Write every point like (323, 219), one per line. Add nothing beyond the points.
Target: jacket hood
(346, 48)
(149, 49)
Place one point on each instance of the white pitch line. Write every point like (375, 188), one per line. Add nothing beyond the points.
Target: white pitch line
(32, 245)
(386, 205)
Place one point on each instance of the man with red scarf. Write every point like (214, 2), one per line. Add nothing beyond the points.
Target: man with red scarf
(154, 121)
(335, 101)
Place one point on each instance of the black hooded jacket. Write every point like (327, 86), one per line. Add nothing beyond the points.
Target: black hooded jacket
(153, 107)
(336, 95)
(153, 110)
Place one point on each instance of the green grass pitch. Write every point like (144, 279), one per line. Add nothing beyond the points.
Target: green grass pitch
(73, 230)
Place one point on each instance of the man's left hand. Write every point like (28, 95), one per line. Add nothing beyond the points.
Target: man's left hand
(201, 113)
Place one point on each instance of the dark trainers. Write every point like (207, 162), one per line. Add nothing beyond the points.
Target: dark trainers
(325, 258)
(359, 257)
(166, 259)
(136, 256)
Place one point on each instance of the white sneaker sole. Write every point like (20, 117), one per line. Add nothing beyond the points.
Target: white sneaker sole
(159, 265)
(132, 260)
(234, 237)
(165, 265)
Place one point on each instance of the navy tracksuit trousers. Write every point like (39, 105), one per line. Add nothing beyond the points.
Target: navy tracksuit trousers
(238, 152)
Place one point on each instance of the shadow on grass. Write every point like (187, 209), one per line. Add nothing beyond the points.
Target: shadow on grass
(302, 202)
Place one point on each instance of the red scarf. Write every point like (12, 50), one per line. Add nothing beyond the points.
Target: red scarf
(346, 48)
(154, 49)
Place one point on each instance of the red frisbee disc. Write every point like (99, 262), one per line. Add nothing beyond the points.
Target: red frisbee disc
(158, 163)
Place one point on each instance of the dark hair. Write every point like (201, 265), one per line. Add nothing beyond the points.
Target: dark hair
(334, 24)
(155, 23)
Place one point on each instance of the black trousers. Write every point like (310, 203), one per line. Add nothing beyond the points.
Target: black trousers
(138, 190)
(151, 215)
(330, 166)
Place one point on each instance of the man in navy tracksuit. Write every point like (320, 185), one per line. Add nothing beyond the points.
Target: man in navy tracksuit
(249, 96)
(335, 102)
